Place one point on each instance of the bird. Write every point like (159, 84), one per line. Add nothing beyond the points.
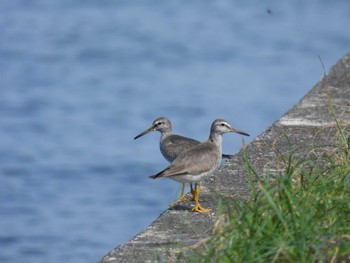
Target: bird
(172, 145)
(200, 161)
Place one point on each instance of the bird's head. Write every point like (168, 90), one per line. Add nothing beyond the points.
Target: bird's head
(221, 126)
(161, 124)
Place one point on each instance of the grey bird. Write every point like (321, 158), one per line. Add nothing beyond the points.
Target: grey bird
(171, 145)
(200, 161)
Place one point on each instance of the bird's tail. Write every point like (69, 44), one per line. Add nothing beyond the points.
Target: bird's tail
(158, 175)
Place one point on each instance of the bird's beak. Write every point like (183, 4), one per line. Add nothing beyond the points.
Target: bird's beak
(152, 128)
(240, 132)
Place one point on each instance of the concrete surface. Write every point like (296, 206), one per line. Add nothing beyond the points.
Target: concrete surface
(308, 124)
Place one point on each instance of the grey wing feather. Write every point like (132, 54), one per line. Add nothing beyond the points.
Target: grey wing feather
(165, 172)
(174, 145)
(197, 160)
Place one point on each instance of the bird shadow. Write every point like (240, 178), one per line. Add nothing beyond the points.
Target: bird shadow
(180, 206)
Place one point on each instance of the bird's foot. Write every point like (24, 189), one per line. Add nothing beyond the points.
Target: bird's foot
(181, 199)
(200, 209)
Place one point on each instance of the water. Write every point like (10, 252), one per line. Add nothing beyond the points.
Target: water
(79, 79)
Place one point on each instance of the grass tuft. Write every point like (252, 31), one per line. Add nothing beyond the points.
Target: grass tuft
(302, 215)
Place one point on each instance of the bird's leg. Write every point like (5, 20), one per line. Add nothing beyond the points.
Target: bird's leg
(193, 191)
(197, 207)
(182, 196)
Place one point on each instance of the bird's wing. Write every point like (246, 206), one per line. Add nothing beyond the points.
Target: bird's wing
(196, 160)
(176, 144)
(178, 170)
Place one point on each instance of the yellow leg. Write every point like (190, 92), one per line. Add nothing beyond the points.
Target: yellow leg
(193, 191)
(182, 195)
(197, 207)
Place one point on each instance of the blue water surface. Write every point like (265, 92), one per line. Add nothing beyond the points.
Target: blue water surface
(79, 79)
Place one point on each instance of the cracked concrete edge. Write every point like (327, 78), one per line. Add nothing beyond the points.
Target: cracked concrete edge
(306, 124)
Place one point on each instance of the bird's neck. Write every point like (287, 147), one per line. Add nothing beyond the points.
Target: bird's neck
(216, 138)
(165, 134)
(217, 141)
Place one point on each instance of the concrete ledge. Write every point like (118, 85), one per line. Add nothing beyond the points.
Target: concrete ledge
(308, 124)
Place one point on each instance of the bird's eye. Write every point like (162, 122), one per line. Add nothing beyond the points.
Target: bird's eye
(159, 123)
(222, 124)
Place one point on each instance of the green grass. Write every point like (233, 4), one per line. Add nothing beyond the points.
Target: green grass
(300, 215)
